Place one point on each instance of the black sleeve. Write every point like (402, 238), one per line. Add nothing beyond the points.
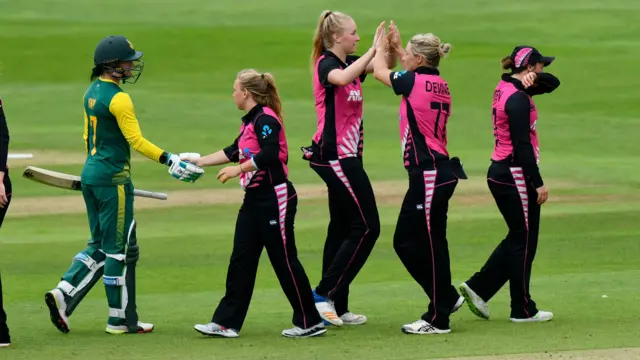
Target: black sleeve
(232, 150)
(518, 108)
(350, 60)
(268, 133)
(402, 82)
(4, 139)
(325, 66)
(545, 83)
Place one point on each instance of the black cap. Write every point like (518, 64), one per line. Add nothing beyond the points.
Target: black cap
(528, 55)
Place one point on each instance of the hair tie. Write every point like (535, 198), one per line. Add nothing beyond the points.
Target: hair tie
(262, 75)
(329, 13)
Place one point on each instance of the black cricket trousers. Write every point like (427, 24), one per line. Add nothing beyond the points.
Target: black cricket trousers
(512, 259)
(4, 330)
(420, 240)
(266, 220)
(353, 230)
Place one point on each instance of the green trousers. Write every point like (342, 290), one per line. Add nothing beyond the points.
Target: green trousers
(110, 213)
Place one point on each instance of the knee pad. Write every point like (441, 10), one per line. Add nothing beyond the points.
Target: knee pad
(86, 269)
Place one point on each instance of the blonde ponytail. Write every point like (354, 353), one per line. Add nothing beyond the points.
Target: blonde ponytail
(329, 23)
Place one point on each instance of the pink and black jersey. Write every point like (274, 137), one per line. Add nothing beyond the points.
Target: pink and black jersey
(515, 116)
(262, 141)
(339, 111)
(424, 111)
(4, 139)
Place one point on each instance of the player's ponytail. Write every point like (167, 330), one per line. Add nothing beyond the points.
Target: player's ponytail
(507, 63)
(430, 47)
(263, 89)
(96, 72)
(329, 23)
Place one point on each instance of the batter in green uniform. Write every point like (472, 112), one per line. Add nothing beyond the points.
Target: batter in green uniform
(111, 129)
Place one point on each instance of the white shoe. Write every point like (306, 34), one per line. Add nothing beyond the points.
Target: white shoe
(328, 312)
(57, 309)
(5, 345)
(213, 329)
(541, 316)
(350, 318)
(422, 327)
(298, 332)
(476, 304)
(458, 304)
(123, 329)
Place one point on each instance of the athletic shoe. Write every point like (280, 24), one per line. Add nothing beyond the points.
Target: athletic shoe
(327, 310)
(213, 329)
(541, 316)
(350, 318)
(3, 344)
(422, 327)
(298, 332)
(57, 309)
(458, 304)
(476, 304)
(123, 329)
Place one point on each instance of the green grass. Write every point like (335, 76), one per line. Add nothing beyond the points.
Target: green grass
(193, 50)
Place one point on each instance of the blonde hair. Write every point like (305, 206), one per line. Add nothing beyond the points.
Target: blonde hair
(262, 87)
(330, 23)
(429, 46)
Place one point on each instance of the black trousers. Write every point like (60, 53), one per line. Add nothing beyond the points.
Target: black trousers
(4, 330)
(512, 259)
(353, 230)
(420, 240)
(266, 221)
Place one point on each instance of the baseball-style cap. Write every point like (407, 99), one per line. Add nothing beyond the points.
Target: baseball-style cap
(528, 55)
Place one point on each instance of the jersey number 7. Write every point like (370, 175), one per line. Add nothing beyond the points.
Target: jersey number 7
(441, 107)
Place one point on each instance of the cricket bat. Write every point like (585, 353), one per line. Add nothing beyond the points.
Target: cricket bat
(72, 182)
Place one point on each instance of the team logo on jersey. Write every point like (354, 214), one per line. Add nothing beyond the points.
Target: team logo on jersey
(246, 154)
(354, 95)
(266, 131)
(92, 103)
(397, 74)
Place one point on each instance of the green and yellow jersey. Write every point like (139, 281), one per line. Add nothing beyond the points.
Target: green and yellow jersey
(111, 129)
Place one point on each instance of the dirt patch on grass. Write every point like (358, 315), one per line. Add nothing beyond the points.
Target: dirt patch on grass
(469, 192)
(43, 158)
(608, 354)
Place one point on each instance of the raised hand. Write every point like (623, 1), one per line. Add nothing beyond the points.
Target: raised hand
(394, 35)
(378, 39)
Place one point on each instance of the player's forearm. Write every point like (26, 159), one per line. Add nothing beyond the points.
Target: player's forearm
(390, 58)
(217, 158)
(346, 76)
(146, 148)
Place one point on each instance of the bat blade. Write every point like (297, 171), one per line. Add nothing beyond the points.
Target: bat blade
(72, 182)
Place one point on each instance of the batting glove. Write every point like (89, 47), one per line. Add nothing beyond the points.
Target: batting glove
(183, 170)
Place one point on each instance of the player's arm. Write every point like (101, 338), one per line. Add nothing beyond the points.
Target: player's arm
(4, 142)
(518, 109)
(390, 60)
(330, 73)
(226, 155)
(268, 132)
(544, 83)
(122, 108)
(85, 132)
